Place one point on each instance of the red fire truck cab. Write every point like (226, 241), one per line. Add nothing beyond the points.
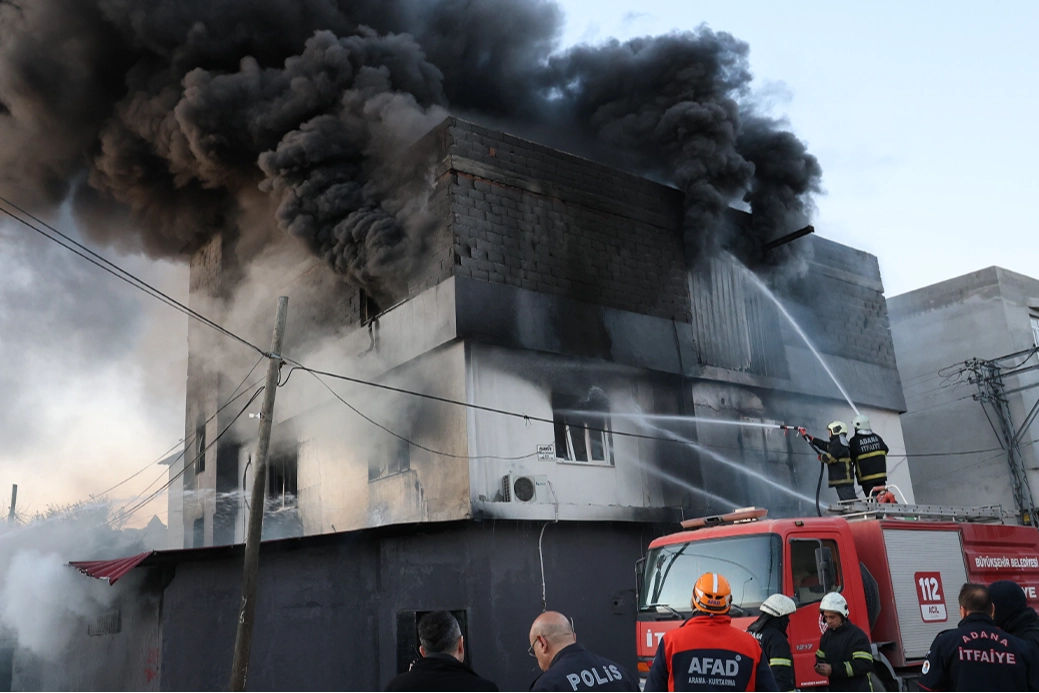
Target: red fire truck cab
(899, 566)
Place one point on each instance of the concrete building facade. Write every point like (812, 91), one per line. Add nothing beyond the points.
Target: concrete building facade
(556, 288)
(569, 367)
(938, 329)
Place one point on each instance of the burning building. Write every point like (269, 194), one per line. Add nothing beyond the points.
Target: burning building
(570, 369)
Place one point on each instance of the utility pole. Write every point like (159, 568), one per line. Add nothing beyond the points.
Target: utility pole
(244, 639)
(988, 376)
(11, 515)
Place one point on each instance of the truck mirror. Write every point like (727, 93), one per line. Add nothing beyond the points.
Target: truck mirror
(824, 568)
(640, 569)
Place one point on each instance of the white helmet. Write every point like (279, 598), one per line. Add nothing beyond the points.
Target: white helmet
(837, 428)
(778, 605)
(861, 423)
(834, 601)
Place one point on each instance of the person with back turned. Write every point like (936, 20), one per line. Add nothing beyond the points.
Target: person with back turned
(706, 653)
(1012, 613)
(977, 656)
(836, 455)
(568, 666)
(770, 630)
(442, 666)
(868, 454)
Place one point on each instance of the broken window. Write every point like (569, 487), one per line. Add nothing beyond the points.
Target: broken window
(583, 430)
(391, 458)
(1035, 329)
(200, 448)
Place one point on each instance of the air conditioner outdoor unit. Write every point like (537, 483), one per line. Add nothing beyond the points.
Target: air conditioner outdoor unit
(525, 488)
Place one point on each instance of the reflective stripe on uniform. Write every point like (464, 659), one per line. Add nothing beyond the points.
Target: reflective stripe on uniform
(871, 477)
(861, 655)
(780, 662)
(820, 654)
(875, 453)
(851, 672)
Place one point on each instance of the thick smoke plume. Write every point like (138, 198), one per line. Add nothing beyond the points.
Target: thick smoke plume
(167, 124)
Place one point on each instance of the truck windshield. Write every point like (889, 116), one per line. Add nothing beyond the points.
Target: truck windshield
(750, 564)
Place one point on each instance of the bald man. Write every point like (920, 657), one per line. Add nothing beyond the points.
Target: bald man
(567, 665)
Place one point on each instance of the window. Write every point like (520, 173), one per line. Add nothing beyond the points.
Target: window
(804, 572)
(106, 624)
(1035, 329)
(198, 533)
(393, 458)
(282, 478)
(582, 429)
(751, 564)
(369, 308)
(200, 448)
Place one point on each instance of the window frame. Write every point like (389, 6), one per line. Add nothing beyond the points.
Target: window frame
(566, 426)
(838, 565)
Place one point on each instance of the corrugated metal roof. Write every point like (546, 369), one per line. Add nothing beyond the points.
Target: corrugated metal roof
(110, 570)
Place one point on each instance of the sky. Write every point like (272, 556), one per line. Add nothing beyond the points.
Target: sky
(921, 114)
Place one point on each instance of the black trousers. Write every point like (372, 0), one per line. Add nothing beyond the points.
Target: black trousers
(845, 491)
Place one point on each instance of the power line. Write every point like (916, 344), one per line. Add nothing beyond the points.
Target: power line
(116, 271)
(123, 513)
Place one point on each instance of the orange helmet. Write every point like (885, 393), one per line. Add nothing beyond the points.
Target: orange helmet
(712, 594)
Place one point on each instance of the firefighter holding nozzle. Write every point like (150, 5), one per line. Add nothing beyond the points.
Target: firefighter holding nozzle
(836, 455)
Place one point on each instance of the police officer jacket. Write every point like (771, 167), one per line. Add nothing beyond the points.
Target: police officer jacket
(977, 656)
(869, 453)
(837, 458)
(576, 669)
(707, 654)
(771, 634)
(848, 652)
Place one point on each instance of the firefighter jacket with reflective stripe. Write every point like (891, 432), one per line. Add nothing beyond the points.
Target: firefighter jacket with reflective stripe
(707, 654)
(869, 453)
(771, 634)
(848, 651)
(977, 656)
(837, 458)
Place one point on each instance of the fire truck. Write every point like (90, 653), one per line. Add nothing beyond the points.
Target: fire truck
(899, 566)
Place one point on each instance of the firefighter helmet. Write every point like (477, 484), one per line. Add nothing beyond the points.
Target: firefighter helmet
(861, 423)
(838, 428)
(778, 605)
(712, 594)
(834, 601)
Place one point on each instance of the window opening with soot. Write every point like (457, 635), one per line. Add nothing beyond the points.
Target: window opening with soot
(583, 431)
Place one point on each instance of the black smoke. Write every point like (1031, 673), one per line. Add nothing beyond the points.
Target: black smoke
(165, 123)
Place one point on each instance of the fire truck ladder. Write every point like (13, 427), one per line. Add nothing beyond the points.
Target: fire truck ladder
(868, 510)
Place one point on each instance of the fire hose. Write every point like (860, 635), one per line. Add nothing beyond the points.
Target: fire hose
(800, 430)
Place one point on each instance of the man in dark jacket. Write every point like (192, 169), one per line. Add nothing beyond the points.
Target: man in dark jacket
(836, 455)
(844, 655)
(868, 454)
(1013, 614)
(442, 666)
(567, 665)
(770, 630)
(978, 656)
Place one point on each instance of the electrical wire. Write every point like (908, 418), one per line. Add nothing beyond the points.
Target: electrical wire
(123, 513)
(116, 271)
(411, 442)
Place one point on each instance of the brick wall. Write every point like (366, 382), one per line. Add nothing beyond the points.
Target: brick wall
(535, 218)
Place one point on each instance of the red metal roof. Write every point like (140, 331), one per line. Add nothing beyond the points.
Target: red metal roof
(110, 570)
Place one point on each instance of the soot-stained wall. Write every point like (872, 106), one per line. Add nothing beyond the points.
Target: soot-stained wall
(327, 615)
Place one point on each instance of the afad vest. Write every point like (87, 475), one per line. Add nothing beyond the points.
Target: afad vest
(708, 654)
